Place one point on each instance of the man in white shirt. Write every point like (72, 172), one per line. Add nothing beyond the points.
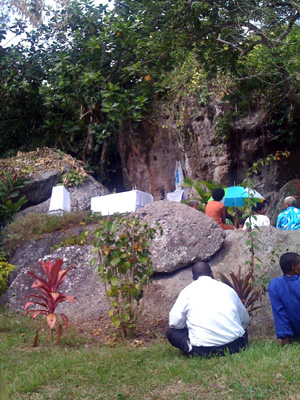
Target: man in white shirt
(208, 318)
(258, 219)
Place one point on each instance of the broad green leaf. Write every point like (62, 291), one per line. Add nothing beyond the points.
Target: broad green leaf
(126, 317)
(115, 261)
(115, 281)
(116, 320)
(127, 265)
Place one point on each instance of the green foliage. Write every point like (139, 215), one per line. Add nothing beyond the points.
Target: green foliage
(203, 188)
(9, 191)
(188, 79)
(80, 240)
(36, 225)
(256, 167)
(125, 267)
(5, 270)
(72, 178)
(76, 79)
(49, 298)
(3, 393)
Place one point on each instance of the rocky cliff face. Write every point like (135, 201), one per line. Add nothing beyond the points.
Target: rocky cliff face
(186, 132)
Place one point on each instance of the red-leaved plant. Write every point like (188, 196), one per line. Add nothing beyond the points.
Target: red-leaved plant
(49, 297)
(248, 293)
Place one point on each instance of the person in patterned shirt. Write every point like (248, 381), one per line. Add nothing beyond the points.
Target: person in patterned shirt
(290, 217)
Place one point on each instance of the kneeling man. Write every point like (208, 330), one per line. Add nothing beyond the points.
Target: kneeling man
(284, 293)
(208, 317)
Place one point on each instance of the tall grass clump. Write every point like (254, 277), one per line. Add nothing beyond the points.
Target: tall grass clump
(36, 225)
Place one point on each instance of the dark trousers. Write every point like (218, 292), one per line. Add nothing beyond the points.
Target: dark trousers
(179, 338)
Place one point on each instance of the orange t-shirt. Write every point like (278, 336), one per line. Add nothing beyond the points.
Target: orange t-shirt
(213, 210)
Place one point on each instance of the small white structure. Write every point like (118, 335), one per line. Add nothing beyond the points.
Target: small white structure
(60, 200)
(120, 202)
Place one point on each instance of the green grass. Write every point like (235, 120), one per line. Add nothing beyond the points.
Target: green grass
(79, 369)
(36, 225)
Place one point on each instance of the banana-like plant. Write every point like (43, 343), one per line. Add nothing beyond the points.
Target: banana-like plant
(203, 190)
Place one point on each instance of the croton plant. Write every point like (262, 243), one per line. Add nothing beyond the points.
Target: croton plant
(49, 297)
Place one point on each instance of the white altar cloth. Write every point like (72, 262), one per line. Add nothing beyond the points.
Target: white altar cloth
(120, 202)
(177, 195)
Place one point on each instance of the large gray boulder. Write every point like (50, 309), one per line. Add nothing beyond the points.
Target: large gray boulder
(188, 235)
(39, 187)
(82, 282)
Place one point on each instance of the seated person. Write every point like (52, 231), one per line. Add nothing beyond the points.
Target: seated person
(258, 218)
(216, 210)
(284, 293)
(229, 219)
(290, 217)
(193, 204)
(208, 318)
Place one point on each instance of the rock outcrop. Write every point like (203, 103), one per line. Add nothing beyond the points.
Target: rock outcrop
(187, 132)
(188, 235)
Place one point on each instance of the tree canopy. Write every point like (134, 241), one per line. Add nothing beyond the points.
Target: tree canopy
(75, 79)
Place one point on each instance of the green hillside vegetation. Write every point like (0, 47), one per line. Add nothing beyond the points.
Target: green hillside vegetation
(75, 80)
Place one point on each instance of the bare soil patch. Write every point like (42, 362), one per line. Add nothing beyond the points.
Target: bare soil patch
(100, 330)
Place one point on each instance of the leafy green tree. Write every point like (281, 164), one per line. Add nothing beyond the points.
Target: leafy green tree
(21, 106)
(78, 78)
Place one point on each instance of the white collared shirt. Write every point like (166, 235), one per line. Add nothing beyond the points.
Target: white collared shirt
(212, 312)
(257, 220)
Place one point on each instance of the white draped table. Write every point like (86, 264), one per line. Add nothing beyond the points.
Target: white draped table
(120, 202)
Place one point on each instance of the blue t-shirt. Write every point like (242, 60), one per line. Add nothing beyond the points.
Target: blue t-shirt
(284, 293)
(289, 219)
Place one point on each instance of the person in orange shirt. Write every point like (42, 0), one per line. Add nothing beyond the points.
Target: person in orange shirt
(216, 210)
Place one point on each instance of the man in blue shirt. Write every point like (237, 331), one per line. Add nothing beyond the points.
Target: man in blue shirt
(284, 293)
(290, 217)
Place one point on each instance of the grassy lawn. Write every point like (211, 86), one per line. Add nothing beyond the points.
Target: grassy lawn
(80, 369)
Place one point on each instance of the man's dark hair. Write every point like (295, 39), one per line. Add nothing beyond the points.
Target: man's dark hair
(260, 206)
(287, 261)
(218, 194)
(254, 208)
(201, 268)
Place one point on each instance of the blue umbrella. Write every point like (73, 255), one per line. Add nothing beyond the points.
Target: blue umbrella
(235, 196)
